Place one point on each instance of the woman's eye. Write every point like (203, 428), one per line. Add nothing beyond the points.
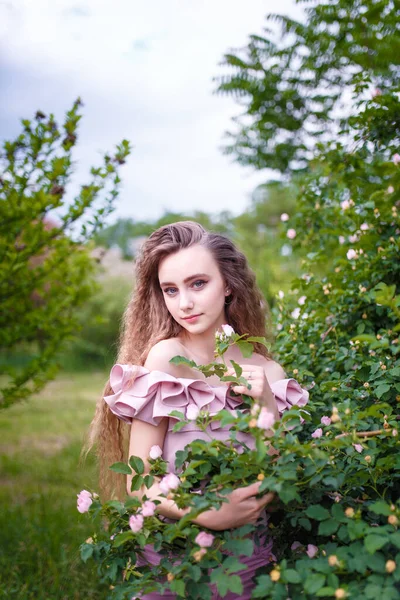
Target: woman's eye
(170, 291)
(199, 284)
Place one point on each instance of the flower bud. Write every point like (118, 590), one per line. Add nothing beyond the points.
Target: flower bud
(390, 566)
(349, 512)
(393, 520)
(275, 575)
(333, 560)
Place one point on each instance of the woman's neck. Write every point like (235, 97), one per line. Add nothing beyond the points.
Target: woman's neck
(201, 346)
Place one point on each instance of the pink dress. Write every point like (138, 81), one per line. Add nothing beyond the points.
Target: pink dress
(152, 395)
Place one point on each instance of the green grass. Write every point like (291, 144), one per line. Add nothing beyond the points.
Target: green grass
(40, 475)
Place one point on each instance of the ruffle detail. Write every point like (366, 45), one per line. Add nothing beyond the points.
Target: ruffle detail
(152, 395)
(288, 393)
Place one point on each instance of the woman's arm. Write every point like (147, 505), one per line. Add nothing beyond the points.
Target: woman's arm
(143, 437)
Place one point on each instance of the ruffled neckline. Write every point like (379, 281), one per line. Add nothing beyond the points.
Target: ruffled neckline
(152, 395)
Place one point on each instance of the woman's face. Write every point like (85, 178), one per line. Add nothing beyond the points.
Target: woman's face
(193, 289)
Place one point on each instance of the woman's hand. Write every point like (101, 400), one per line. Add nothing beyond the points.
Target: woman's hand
(260, 389)
(243, 508)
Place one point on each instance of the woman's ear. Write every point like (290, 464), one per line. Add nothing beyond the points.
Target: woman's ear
(227, 291)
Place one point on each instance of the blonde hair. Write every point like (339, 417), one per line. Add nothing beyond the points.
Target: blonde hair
(147, 321)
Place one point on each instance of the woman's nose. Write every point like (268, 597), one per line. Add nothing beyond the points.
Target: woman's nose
(185, 301)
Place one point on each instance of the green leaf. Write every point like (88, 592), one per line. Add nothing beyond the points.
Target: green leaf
(178, 586)
(318, 512)
(380, 508)
(326, 591)
(136, 483)
(238, 368)
(148, 481)
(305, 523)
(374, 542)
(122, 538)
(178, 414)
(86, 551)
(137, 464)
(245, 348)
(291, 576)
(258, 340)
(219, 578)
(182, 360)
(120, 467)
(395, 539)
(328, 527)
(382, 389)
(313, 583)
(235, 584)
(232, 565)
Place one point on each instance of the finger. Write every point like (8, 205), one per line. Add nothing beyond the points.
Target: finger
(250, 490)
(265, 500)
(240, 389)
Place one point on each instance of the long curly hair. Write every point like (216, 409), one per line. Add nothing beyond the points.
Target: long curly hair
(147, 321)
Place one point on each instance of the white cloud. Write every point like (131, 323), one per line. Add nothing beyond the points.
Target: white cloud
(144, 71)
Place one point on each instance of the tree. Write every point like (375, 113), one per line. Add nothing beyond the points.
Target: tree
(296, 91)
(46, 268)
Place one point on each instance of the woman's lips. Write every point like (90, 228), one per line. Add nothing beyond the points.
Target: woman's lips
(191, 319)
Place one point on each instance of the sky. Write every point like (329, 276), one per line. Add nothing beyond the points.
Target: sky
(144, 71)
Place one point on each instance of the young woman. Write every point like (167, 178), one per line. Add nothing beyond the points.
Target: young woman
(189, 282)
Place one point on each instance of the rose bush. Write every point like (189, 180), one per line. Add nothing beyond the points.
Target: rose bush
(335, 466)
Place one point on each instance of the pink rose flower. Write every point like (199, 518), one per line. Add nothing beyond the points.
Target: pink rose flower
(84, 501)
(265, 419)
(364, 226)
(136, 523)
(342, 239)
(325, 421)
(204, 540)
(302, 300)
(376, 92)
(345, 204)
(291, 234)
(358, 447)
(396, 159)
(295, 313)
(390, 189)
(192, 412)
(228, 330)
(311, 550)
(155, 452)
(317, 433)
(296, 545)
(351, 254)
(148, 508)
(169, 482)
(284, 217)
(353, 238)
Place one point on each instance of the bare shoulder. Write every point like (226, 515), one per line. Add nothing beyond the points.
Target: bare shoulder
(158, 359)
(273, 370)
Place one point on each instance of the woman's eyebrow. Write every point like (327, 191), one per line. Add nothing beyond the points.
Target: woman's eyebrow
(186, 280)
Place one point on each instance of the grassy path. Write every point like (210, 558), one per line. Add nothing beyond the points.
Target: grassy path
(40, 475)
